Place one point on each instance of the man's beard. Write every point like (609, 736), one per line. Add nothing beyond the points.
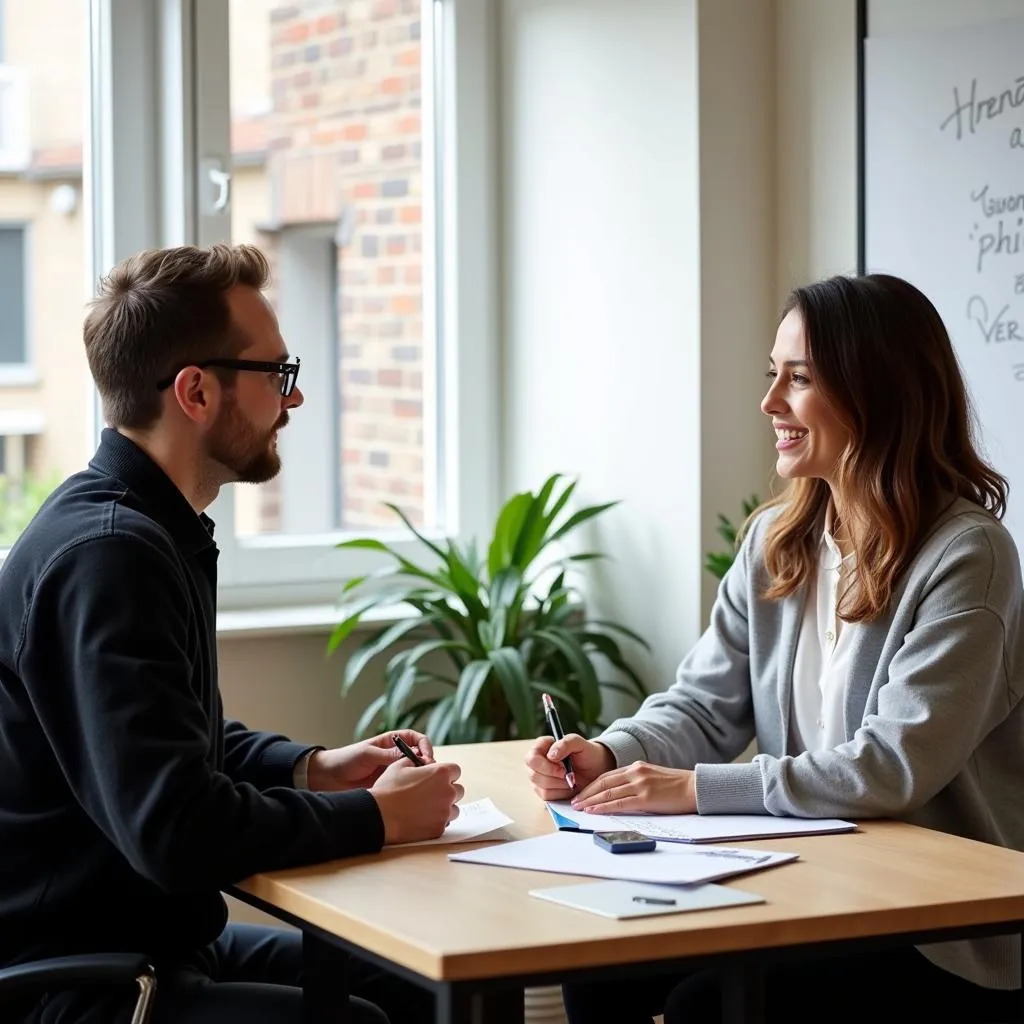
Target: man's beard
(247, 453)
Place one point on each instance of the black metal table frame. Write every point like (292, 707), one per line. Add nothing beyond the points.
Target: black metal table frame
(500, 1000)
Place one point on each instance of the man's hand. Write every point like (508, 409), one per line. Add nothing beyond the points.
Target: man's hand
(544, 761)
(640, 787)
(360, 765)
(417, 802)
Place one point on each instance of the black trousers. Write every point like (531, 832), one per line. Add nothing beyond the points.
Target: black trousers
(250, 974)
(891, 986)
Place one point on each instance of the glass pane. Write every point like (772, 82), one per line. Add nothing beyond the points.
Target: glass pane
(45, 396)
(328, 181)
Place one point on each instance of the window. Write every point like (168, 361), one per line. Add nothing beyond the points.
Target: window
(46, 408)
(13, 296)
(353, 142)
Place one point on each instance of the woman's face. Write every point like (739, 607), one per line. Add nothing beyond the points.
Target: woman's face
(809, 436)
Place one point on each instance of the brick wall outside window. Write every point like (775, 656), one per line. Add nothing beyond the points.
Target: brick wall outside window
(345, 131)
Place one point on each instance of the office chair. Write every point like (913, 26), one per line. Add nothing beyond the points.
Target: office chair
(90, 969)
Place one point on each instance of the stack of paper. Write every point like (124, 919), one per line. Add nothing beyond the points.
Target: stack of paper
(696, 828)
(477, 820)
(574, 853)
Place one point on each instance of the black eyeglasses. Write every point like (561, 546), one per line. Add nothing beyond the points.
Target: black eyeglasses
(288, 372)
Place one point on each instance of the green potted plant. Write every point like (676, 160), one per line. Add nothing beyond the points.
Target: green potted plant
(717, 562)
(487, 635)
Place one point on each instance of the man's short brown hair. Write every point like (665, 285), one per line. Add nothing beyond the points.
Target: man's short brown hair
(159, 311)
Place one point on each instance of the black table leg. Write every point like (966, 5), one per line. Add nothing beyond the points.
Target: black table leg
(324, 982)
(462, 1004)
(743, 994)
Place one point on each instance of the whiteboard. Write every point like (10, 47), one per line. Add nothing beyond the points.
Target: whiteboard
(944, 208)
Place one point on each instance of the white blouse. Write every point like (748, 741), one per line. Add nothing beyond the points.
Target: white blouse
(821, 666)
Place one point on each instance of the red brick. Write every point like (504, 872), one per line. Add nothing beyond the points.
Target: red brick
(386, 275)
(364, 190)
(327, 23)
(405, 305)
(413, 274)
(408, 408)
(389, 378)
(350, 456)
(394, 84)
(354, 132)
(410, 124)
(408, 58)
(410, 214)
(298, 33)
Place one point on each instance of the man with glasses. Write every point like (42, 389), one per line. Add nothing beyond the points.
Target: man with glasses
(127, 802)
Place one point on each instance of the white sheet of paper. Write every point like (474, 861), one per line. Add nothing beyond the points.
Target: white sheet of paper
(703, 828)
(476, 819)
(575, 853)
(626, 899)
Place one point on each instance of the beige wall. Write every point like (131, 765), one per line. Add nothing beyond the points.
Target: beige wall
(816, 128)
(250, 56)
(47, 37)
(56, 302)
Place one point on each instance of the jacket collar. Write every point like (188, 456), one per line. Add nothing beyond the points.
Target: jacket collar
(121, 458)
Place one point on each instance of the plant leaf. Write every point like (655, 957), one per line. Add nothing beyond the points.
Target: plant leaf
(369, 543)
(511, 673)
(617, 628)
(465, 583)
(399, 687)
(375, 645)
(370, 718)
(559, 504)
(535, 526)
(565, 698)
(471, 682)
(413, 655)
(581, 517)
(506, 532)
(607, 646)
(353, 614)
(582, 667)
(440, 719)
(412, 529)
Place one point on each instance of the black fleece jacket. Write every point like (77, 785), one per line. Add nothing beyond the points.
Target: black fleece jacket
(126, 801)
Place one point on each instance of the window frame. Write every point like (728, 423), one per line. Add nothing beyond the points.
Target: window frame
(148, 190)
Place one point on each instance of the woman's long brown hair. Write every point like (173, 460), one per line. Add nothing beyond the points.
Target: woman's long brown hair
(881, 356)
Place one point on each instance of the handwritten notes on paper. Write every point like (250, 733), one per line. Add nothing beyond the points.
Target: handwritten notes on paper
(477, 820)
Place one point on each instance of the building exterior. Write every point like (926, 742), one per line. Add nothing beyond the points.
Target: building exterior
(326, 178)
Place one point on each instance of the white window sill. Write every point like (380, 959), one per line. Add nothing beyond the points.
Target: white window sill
(297, 620)
(13, 375)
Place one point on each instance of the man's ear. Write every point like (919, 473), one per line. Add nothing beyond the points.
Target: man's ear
(198, 394)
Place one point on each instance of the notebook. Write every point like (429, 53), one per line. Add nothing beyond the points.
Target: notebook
(622, 900)
(696, 828)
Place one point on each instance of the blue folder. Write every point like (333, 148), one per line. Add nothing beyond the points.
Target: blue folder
(564, 824)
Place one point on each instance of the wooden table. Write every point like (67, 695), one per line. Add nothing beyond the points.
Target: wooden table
(473, 934)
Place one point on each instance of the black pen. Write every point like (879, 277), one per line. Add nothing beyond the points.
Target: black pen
(555, 726)
(408, 751)
(654, 901)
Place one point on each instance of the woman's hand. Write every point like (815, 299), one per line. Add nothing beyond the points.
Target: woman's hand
(544, 761)
(640, 787)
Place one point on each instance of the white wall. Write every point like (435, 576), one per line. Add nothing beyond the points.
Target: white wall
(602, 285)
(639, 280)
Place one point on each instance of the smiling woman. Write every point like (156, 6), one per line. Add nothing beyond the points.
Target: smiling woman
(867, 635)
